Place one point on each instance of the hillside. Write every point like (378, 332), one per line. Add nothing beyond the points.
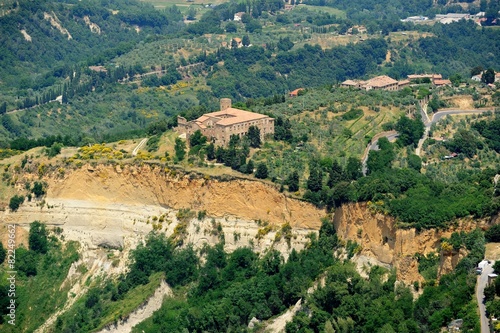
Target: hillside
(363, 208)
(110, 209)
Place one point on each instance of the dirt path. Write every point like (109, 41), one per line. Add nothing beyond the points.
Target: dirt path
(139, 146)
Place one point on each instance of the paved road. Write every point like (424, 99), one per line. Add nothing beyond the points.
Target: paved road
(482, 280)
(139, 146)
(427, 122)
(437, 117)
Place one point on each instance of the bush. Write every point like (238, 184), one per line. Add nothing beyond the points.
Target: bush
(15, 202)
(38, 237)
(493, 233)
(261, 172)
(38, 189)
(352, 114)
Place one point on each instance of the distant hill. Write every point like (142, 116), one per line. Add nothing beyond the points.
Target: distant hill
(42, 39)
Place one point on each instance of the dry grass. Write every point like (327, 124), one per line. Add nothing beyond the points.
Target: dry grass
(492, 251)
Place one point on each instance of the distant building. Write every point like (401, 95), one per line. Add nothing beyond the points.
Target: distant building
(402, 84)
(238, 41)
(360, 28)
(351, 84)
(295, 93)
(451, 17)
(383, 82)
(414, 77)
(415, 19)
(441, 83)
(479, 77)
(238, 16)
(220, 125)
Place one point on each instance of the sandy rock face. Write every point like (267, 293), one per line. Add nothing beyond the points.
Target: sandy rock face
(380, 239)
(152, 185)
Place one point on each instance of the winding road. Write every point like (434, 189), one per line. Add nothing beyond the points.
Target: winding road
(482, 281)
(373, 145)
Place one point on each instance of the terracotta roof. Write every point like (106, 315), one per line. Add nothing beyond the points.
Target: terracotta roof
(403, 82)
(441, 82)
(380, 81)
(237, 40)
(296, 92)
(232, 116)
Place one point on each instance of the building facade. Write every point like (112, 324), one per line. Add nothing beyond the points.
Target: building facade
(220, 125)
(383, 82)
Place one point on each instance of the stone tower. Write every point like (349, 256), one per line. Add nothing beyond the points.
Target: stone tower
(225, 103)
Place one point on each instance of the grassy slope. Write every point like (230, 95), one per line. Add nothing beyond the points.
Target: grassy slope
(43, 294)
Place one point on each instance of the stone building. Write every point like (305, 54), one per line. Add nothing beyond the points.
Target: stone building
(220, 125)
(383, 82)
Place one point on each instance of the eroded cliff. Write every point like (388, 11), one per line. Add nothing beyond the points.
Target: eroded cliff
(380, 239)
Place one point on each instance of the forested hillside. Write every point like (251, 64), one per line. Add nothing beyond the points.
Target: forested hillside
(42, 41)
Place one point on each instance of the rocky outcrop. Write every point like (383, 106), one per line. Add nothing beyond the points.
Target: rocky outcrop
(380, 239)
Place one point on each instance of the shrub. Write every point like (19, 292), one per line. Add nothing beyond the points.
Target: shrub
(493, 233)
(15, 202)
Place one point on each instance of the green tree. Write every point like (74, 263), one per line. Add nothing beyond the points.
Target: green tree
(379, 160)
(253, 26)
(249, 167)
(15, 202)
(54, 149)
(245, 40)
(353, 168)
(488, 76)
(197, 139)
(464, 142)
(3, 108)
(191, 14)
(210, 151)
(38, 189)
(315, 180)
(493, 234)
(293, 181)
(231, 27)
(253, 135)
(410, 130)
(180, 149)
(26, 261)
(261, 172)
(476, 70)
(38, 241)
(335, 174)
(414, 162)
(285, 44)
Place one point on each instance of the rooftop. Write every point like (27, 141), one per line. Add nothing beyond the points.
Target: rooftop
(231, 116)
(380, 81)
